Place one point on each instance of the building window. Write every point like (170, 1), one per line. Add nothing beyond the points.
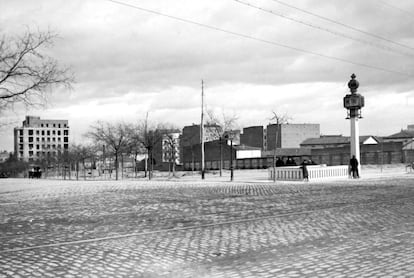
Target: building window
(54, 132)
(59, 139)
(58, 132)
(30, 131)
(66, 139)
(37, 147)
(54, 125)
(54, 139)
(41, 125)
(31, 153)
(43, 132)
(30, 146)
(66, 146)
(30, 139)
(47, 125)
(20, 146)
(48, 132)
(21, 132)
(48, 139)
(37, 132)
(66, 132)
(21, 139)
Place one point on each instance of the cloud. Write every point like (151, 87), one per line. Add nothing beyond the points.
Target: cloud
(128, 61)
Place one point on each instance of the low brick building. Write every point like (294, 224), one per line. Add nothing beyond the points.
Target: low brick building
(335, 150)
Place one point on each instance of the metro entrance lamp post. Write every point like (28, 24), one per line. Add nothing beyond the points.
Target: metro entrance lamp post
(353, 102)
(230, 136)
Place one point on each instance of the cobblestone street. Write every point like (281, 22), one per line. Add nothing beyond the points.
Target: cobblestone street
(348, 228)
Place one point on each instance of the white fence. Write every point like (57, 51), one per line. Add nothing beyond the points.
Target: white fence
(292, 173)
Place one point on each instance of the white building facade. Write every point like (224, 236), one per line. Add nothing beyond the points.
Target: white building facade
(40, 139)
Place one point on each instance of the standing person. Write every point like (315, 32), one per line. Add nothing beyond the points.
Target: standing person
(304, 166)
(279, 162)
(353, 164)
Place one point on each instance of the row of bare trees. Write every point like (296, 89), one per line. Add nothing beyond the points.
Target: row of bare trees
(117, 140)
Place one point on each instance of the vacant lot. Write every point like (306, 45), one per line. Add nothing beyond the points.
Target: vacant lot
(349, 228)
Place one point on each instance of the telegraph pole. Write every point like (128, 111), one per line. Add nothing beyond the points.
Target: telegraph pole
(202, 130)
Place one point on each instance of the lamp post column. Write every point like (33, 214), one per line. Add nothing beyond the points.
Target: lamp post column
(355, 138)
(353, 102)
(231, 159)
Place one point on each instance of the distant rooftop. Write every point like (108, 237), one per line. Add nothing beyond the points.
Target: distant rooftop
(336, 140)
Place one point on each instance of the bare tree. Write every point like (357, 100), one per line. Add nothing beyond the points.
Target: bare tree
(151, 136)
(112, 135)
(135, 143)
(79, 154)
(277, 119)
(26, 73)
(170, 149)
(226, 122)
(188, 142)
(222, 124)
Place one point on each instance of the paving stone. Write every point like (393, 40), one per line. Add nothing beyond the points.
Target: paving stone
(173, 229)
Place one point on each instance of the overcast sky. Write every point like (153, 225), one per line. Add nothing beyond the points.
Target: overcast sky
(128, 61)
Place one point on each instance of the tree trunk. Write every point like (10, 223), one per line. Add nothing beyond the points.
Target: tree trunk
(146, 165)
(150, 166)
(221, 156)
(84, 169)
(135, 165)
(116, 165)
(122, 166)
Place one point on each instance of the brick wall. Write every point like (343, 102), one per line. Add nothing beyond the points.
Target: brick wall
(252, 136)
(386, 153)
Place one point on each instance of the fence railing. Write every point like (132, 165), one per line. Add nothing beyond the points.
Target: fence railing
(314, 172)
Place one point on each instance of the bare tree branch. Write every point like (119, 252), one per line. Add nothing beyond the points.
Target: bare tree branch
(279, 119)
(223, 124)
(26, 74)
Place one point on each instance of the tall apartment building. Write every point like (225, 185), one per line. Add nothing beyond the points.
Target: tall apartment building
(288, 135)
(38, 139)
(191, 134)
(253, 136)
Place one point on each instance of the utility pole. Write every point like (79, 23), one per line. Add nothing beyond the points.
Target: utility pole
(274, 151)
(202, 131)
(279, 120)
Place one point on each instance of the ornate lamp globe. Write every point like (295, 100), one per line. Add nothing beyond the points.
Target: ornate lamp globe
(353, 84)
